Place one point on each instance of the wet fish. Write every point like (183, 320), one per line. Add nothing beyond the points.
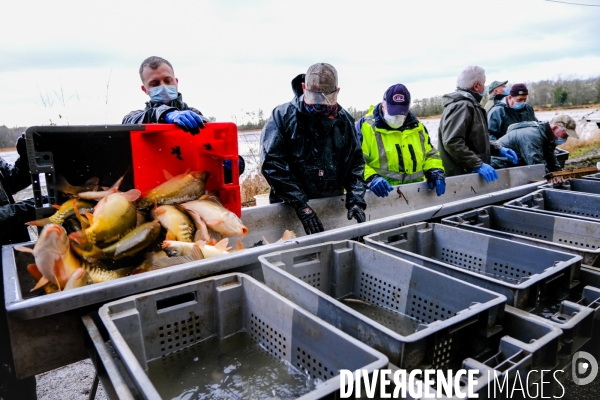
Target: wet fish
(53, 256)
(131, 243)
(64, 212)
(208, 212)
(175, 248)
(73, 191)
(99, 275)
(177, 189)
(79, 278)
(213, 251)
(113, 217)
(97, 195)
(178, 224)
(287, 235)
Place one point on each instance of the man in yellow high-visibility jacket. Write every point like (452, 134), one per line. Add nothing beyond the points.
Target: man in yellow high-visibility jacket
(396, 146)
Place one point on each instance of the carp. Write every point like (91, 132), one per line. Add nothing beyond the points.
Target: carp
(79, 278)
(97, 195)
(213, 251)
(175, 248)
(133, 242)
(178, 224)
(177, 189)
(53, 257)
(73, 191)
(209, 212)
(64, 212)
(113, 217)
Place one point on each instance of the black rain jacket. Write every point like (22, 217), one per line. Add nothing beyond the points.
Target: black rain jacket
(154, 113)
(13, 216)
(306, 156)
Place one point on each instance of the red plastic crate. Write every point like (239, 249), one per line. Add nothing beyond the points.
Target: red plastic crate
(166, 147)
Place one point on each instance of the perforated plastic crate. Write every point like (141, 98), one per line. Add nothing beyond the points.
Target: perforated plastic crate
(167, 324)
(585, 186)
(549, 231)
(533, 279)
(562, 203)
(417, 317)
(79, 153)
(561, 155)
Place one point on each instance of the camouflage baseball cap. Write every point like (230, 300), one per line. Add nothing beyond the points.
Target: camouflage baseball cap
(321, 84)
(494, 85)
(566, 122)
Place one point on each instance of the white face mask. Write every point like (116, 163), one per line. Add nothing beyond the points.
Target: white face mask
(394, 121)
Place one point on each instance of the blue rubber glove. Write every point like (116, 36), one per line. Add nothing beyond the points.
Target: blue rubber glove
(488, 173)
(510, 154)
(436, 178)
(440, 186)
(380, 187)
(187, 120)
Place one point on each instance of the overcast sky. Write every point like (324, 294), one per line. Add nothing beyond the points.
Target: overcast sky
(80, 59)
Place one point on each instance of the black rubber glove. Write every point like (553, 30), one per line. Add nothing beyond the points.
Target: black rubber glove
(309, 219)
(357, 213)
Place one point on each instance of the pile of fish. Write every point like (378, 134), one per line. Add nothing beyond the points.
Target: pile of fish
(100, 234)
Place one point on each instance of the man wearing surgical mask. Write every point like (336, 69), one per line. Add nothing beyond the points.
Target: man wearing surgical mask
(510, 110)
(396, 146)
(535, 142)
(166, 104)
(309, 150)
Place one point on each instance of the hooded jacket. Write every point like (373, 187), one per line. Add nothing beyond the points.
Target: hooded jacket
(534, 144)
(154, 113)
(501, 116)
(306, 156)
(491, 100)
(13, 216)
(463, 140)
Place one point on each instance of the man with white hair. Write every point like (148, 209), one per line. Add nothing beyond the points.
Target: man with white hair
(463, 139)
(309, 150)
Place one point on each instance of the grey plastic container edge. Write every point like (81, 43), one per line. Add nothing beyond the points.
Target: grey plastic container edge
(575, 320)
(585, 186)
(549, 231)
(228, 304)
(562, 203)
(595, 177)
(518, 271)
(446, 310)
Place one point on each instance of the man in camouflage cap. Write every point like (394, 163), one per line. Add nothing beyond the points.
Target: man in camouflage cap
(309, 150)
(534, 142)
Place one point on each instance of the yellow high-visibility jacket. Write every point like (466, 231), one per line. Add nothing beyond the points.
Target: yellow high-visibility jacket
(400, 155)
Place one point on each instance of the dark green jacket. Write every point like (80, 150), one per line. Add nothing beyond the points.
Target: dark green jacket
(534, 144)
(501, 116)
(463, 139)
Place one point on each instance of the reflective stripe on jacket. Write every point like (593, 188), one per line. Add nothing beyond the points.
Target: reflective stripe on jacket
(400, 156)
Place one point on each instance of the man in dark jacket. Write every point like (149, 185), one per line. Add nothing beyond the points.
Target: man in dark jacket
(495, 92)
(166, 104)
(534, 142)
(309, 150)
(463, 139)
(509, 110)
(13, 216)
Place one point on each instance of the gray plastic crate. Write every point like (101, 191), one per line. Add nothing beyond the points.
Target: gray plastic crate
(584, 186)
(165, 324)
(549, 231)
(533, 279)
(594, 177)
(562, 203)
(417, 317)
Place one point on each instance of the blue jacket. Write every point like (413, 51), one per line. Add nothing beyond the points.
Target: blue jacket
(501, 116)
